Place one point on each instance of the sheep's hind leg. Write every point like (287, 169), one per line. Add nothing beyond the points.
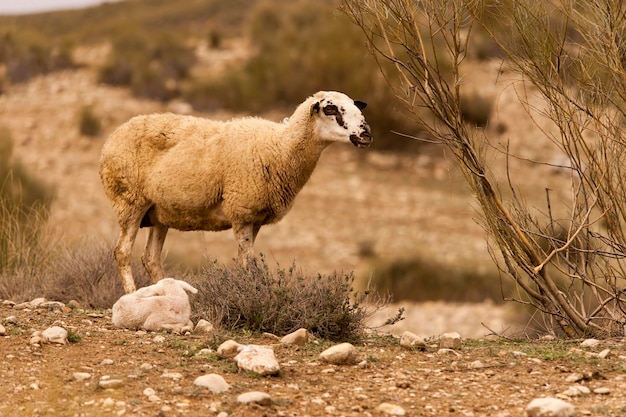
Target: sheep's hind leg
(151, 258)
(123, 252)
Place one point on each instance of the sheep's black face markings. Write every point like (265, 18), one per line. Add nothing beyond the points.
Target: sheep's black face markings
(332, 110)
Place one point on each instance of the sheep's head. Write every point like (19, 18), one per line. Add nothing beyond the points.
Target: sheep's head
(339, 119)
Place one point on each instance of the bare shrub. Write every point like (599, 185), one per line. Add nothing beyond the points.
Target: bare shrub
(280, 302)
(88, 274)
(572, 54)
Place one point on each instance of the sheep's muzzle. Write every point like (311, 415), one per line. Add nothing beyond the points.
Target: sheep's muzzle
(363, 140)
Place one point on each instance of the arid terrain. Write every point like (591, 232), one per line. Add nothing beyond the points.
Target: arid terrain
(154, 374)
(357, 203)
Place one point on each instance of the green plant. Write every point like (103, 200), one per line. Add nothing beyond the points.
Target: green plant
(279, 302)
(89, 123)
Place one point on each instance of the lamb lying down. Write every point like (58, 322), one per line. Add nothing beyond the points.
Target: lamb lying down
(157, 307)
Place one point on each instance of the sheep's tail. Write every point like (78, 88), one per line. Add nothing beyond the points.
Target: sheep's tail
(188, 287)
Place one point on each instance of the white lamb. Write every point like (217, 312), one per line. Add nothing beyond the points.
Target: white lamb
(189, 173)
(161, 306)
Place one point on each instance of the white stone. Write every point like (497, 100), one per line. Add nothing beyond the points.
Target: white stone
(448, 352)
(55, 334)
(110, 383)
(148, 392)
(257, 359)
(343, 353)
(575, 377)
(3, 330)
(203, 327)
(204, 352)
(450, 341)
(81, 376)
(228, 349)
(519, 354)
(146, 367)
(256, 397)
(107, 362)
(172, 375)
(410, 340)
(299, 337)
(549, 407)
(159, 338)
(37, 301)
(602, 391)
(589, 343)
(391, 409)
(476, 365)
(604, 354)
(214, 382)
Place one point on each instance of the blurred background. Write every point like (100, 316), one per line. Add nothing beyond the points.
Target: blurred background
(398, 214)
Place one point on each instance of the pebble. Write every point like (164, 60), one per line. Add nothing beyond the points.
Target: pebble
(149, 392)
(110, 383)
(450, 341)
(602, 391)
(589, 343)
(158, 338)
(391, 409)
(256, 397)
(172, 375)
(575, 377)
(228, 349)
(258, 359)
(214, 382)
(549, 407)
(343, 353)
(55, 334)
(107, 362)
(3, 330)
(81, 376)
(203, 327)
(146, 367)
(410, 340)
(299, 337)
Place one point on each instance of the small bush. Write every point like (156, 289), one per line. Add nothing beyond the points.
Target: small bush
(152, 66)
(416, 279)
(476, 109)
(89, 123)
(88, 274)
(258, 299)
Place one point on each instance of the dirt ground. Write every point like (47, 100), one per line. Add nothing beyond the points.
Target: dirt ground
(356, 202)
(480, 378)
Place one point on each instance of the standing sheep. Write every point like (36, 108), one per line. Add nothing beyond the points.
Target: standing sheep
(189, 173)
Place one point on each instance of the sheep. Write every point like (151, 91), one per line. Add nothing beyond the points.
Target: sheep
(188, 173)
(161, 306)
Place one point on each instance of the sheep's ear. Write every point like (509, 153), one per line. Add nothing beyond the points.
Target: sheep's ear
(315, 108)
(360, 104)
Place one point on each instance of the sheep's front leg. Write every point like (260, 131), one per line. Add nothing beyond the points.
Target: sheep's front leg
(151, 258)
(245, 235)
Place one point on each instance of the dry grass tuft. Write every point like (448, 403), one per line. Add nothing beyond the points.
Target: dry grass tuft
(258, 299)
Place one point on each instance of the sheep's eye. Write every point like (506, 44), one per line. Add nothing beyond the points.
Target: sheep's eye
(331, 110)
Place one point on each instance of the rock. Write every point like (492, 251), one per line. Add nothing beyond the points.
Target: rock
(3, 330)
(575, 377)
(256, 397)
(159, 338)
(148, 392)
(74, 305)
(602, 391)
(450, 341)
(54, 334)
(203, 327)
(448, 352)
(589, 343)
(476, 365)
(228, 349)
(172, 375)
(549, 407)
(343, 353)
(107, 362)
(576, 391)
(51, 305)
(204, 352)
(604, 354)
(81, 376)
(258, 359)
(37, 301)
(214, 382)
(299, 337)
(110, 383)
(410, 340)
(391, 409)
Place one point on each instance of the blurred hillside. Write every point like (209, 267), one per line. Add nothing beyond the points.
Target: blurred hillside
(69, 78)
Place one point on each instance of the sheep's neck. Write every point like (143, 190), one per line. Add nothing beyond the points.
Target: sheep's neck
(298, 156)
